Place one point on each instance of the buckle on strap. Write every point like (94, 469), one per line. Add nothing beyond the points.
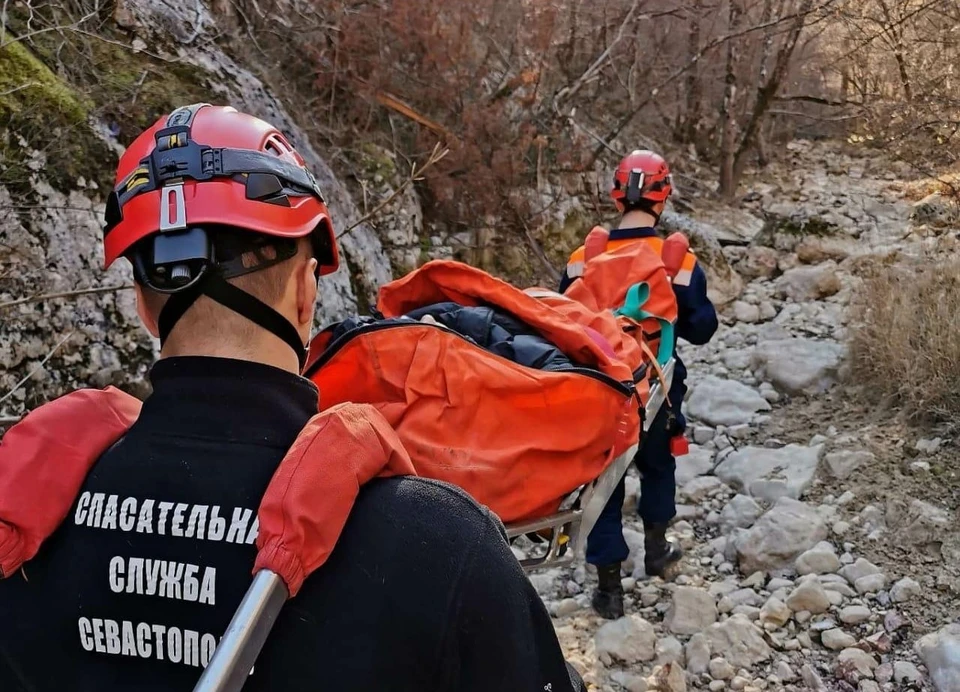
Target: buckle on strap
(168, 194)
(177, 156)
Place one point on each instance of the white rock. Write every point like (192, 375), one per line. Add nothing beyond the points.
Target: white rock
(846, 498)
(702, 434)
(670, 678)
(724, 402)
(904, 590)
(697, 653)
(567, 606)
(779, 536)
(813, 250)
(842, 588)
(720, 589)
(649, 596)
(837, 640)
(811, 679)
(843, 463)
(809, 283)
(630, 639)
(783, 671)
(928, 446)
(741, 512)
(861, 568)
(834, 597)
(799, 365)
(545, 582)
(697, 462)
(745, 312)
(739, 641)
(780, 583)
(770, 474)
(700, 488)
(904, 671)
(745, 597)
(922, 523)
(854, 614)
(859, 660)
(759, 261)
(821, 559)
(870, 583)
(751, 612)
(940, 652)
(692, 610)
(720, 669)
(775, 611)
(716, 685)
(631, 492)
(868, 686)
(809, 596)
(634, 540)
(669, 650)
(739, 683)
(629, 681)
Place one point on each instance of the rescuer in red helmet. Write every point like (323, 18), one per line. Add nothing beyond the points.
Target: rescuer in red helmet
(641, 186)
(227, 233)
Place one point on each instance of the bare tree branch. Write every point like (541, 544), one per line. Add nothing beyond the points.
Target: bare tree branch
(67, 294)
(36, 369)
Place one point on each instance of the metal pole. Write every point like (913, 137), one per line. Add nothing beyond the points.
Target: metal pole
(234, 657)
(596, 496)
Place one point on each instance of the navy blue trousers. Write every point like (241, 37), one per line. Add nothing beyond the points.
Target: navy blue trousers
(657, 504)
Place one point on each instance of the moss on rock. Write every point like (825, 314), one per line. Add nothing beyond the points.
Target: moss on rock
(54, 88)
(40, 112)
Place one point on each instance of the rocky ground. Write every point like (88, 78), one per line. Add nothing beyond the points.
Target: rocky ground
(821, 550)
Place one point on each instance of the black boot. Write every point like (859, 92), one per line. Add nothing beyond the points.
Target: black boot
(659, 553)
(608, 598)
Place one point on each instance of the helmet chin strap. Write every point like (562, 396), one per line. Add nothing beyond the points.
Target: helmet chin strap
(216, 287)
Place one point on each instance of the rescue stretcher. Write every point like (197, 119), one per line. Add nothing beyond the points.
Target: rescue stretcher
(568, 529)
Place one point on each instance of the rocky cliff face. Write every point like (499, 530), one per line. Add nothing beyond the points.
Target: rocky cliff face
(50, 232)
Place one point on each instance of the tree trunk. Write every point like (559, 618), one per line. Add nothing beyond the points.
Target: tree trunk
(694, 93)
(728, 135)
(904, 76)
(766, 92)
(894, 31)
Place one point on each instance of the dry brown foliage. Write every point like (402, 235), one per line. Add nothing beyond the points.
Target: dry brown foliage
(905, 338)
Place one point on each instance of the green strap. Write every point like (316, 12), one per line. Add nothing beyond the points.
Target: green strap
(637, 296)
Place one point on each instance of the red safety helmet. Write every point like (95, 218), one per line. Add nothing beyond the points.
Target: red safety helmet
(641, 180)
(206, 164)
(188, 190)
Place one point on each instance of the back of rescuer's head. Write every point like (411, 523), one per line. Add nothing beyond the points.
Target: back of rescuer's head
(227, 232)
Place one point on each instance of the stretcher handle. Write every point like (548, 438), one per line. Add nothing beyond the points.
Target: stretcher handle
(246, 634)
(674, 250)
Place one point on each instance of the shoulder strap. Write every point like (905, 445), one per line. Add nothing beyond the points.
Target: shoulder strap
(44, 460)
(595, 243)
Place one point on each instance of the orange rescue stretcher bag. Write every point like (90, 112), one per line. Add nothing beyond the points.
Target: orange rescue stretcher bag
(515, 400)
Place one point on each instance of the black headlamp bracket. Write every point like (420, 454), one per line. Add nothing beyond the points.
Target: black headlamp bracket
(634, 186)
(173, 262)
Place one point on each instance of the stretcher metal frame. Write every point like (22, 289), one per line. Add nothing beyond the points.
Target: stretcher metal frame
(570, 527)
(234, 657)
